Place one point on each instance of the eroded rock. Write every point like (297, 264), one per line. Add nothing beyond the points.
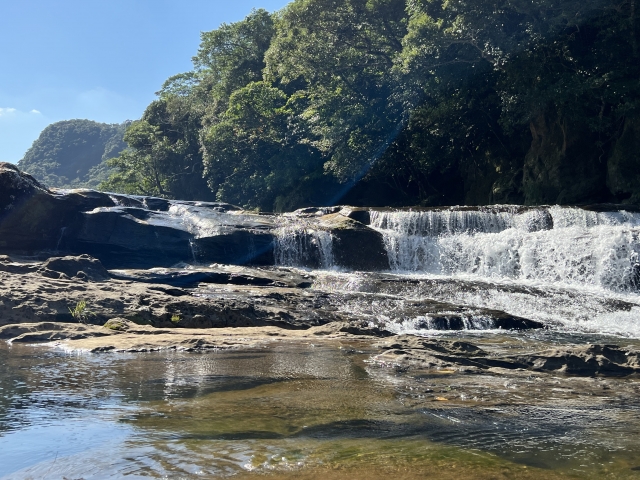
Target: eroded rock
(82, 267)
(578, 360)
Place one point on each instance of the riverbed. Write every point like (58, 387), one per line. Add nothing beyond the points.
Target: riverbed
(303, 409)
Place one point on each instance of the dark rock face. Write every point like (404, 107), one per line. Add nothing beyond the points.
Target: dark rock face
(356, 246)
(235, 247)
(16, 186)
(145, 232)
(33, 218)
(358, 214)
(127, 237)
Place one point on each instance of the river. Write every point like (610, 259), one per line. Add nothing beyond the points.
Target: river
(325, 410)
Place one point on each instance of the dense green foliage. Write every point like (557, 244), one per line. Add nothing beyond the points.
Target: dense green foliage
(400, 102)
(73, 153)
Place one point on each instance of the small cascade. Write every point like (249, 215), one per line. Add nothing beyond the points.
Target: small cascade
(556, 245)
(298, 246)
(422, 324)
(193, 248)
(63, 231)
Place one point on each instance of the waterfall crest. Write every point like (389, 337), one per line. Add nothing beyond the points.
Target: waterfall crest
(300, 246)
(558, 245)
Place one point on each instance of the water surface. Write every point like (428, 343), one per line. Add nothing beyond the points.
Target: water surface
(304, 411)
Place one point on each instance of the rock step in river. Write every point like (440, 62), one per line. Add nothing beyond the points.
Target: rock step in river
(567, 268)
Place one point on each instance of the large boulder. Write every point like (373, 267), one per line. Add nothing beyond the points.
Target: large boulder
(355, 245)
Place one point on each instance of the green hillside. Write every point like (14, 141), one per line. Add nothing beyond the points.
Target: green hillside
(73, 153)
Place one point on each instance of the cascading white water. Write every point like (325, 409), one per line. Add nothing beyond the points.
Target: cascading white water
(558, 245)
(303, 247)
(425, 323)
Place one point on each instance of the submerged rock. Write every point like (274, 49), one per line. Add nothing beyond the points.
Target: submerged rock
(578, 360)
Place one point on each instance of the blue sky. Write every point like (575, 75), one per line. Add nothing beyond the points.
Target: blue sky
(96, 59)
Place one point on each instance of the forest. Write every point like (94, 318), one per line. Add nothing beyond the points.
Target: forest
(74, 153)
(399, 102)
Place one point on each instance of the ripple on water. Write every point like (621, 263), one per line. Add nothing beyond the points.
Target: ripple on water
(302, 411)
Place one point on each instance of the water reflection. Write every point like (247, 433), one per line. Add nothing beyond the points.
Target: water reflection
(301, 411)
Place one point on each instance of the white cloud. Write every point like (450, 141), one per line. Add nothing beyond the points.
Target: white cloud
(15, 113)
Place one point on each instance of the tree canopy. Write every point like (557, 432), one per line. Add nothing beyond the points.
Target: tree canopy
(399, 102)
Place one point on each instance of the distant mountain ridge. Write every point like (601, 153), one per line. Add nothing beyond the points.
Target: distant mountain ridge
(73, 153)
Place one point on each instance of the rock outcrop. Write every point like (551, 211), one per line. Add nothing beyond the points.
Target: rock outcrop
(145, 232)
(35, 219)
(355, 246)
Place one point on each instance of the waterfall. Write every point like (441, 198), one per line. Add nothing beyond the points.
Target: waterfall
(63, 230)
(299, 246)
(421, 324)
(560, 245)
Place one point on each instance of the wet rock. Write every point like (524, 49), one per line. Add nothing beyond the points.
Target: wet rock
(313, 211)
(236, 246)
(223, 274)
(135, 238)
(586, 360)
(536, 220)
(359, 214)
(507, 321)
(219, 207)
(364, 328)
(174, 292)
(353, 327)
(355, 246)
(449, 347)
